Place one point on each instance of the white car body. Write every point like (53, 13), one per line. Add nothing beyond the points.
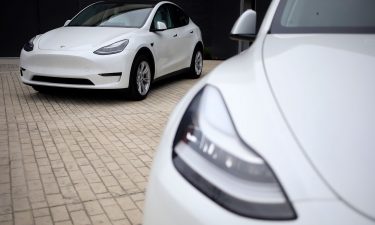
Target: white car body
(292, 98)
(68, 52)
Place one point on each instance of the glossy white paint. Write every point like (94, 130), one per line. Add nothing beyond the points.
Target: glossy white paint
(305, 104)
(246, 24)
(82, 38)
(67, 52)
(329, 106)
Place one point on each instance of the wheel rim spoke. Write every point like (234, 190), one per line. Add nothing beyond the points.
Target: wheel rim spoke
(143, 78)
(145, 71)
(142, 87)
(142, 67)
(198, 63)
(139, 84)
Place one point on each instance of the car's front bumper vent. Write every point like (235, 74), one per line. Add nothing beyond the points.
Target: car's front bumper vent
(60, 80)
(110, 74)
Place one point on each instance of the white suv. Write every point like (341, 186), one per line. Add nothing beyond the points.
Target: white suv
(115, 45)
(284, 132)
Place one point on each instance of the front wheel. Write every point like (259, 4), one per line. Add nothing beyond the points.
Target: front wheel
(196, 66)
(140, 78)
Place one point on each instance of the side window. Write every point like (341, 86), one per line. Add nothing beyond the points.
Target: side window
(179, 18)
(162, 15)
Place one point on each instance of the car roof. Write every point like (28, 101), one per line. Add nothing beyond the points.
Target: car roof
(146, 5)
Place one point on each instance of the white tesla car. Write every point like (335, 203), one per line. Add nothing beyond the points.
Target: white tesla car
(114, 45)
(283, 133)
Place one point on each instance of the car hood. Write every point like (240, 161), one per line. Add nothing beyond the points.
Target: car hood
(325, 88)
(81, 38)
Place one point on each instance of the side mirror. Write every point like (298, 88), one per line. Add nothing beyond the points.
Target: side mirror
(245, 26)
(66, 23)
(160, 26)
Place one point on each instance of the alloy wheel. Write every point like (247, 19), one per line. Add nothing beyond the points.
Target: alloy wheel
(143, 78)
(198, 62)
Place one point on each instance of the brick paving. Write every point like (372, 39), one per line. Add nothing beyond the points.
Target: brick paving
(78, 157)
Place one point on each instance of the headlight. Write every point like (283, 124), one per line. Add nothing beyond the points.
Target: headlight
(29, 46)
(209, 153)
(112, 48)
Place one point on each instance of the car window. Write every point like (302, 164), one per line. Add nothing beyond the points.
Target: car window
(162, 15)
(134, 18)
(179, 18)
(325, 16)
(112, 15)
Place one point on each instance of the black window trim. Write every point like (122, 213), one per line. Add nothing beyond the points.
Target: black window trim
(174, 27)
(182, 12)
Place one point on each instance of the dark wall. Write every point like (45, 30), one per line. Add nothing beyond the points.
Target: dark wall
(14, 29)
(261, 9)
(215, 18)
(23, 19)
(53, 13)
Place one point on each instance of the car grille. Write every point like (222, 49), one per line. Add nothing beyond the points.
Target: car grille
(60, 80)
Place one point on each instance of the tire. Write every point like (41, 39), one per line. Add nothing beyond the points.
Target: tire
(140, 78)
(196, 66)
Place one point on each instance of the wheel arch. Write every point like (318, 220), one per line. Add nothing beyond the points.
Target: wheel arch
(199, 45)
(147, 52)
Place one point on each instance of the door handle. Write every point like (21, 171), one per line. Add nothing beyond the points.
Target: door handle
(175, 35)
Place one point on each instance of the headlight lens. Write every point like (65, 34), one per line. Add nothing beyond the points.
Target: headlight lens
(29, 46)
(209, 153)
(112, 48)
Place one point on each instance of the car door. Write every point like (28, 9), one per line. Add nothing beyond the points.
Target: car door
(165, 43)
(185, 37)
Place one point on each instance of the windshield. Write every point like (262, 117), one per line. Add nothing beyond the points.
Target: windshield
(324, 16)
(112, 15)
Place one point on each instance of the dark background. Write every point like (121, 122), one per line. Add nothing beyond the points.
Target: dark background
(20, 20)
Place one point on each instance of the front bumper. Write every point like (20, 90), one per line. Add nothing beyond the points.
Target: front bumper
(76, 69)
(172, 200)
